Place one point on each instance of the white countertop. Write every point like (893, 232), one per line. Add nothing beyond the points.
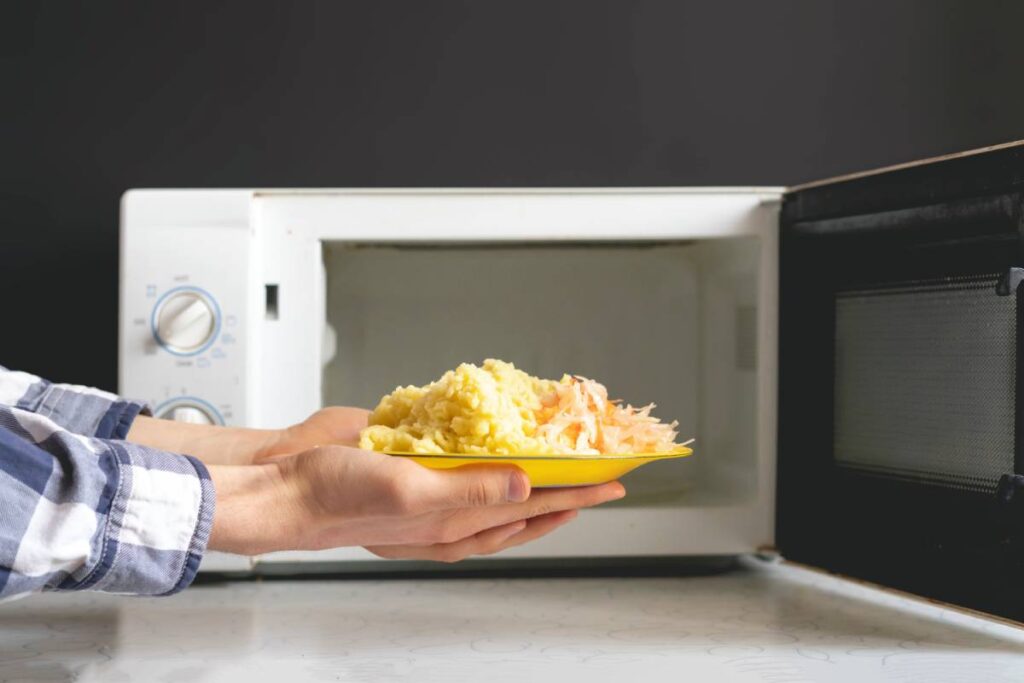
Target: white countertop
(766, 623)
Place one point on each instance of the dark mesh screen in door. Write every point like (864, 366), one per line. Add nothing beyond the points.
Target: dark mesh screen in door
(924, 381)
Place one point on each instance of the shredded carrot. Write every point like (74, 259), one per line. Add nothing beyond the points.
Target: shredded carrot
(578, 417)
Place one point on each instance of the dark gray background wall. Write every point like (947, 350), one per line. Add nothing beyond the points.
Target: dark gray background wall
(104, 96)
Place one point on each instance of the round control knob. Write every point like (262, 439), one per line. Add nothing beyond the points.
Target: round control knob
(191, 414)
(185, 321)
(189, 409)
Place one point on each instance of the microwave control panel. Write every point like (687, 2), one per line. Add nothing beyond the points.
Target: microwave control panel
(183, 312)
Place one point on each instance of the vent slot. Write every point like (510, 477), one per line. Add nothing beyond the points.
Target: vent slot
(270, 302)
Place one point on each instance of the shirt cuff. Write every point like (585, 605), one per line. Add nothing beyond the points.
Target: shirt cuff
(118, 419)
(159, 523)
(82, 410)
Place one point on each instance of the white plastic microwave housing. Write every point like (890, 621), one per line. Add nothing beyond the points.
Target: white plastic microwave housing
(884, 357)
(257, 307)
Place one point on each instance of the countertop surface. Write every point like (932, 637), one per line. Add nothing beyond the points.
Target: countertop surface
(763, 623)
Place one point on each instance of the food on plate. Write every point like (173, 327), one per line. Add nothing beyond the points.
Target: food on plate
(497, 409)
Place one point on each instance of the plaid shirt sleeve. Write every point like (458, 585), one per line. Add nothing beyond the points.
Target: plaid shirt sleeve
(81, 509)
(77, 409)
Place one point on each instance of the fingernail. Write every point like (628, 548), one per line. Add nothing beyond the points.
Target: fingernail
(518, 488)
(515, 529)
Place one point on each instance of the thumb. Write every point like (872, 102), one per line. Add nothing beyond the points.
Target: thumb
(477, 486)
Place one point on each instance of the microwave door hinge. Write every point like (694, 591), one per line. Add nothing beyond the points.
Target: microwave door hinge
(1010, 281)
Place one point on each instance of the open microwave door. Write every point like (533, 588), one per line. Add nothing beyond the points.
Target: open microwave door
(901, 391)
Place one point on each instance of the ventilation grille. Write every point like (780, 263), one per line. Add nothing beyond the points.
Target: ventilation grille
(925, 381)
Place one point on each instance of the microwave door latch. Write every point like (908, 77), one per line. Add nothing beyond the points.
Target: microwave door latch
(1010, 281)
(1009, 487)
(1010, 284)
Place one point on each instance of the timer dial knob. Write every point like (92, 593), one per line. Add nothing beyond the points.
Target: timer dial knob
(185, 321)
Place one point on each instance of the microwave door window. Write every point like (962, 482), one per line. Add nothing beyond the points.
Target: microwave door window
(925, 378)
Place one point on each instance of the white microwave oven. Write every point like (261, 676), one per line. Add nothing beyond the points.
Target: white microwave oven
(806, 322)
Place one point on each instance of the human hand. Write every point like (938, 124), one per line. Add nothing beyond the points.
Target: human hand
(334, 425)
(337, 496)
(217, 445)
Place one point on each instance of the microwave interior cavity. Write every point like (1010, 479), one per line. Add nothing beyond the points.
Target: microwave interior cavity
(672, 323)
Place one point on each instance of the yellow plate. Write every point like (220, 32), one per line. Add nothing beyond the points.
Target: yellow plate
(553, 470)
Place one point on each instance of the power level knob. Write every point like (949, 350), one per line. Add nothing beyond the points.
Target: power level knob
(190, 414)
(185, 321)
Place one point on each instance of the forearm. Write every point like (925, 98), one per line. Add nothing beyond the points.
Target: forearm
(213, 445)
(259, 509)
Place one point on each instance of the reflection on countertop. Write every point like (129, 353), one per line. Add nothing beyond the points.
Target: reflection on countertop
(761, 623)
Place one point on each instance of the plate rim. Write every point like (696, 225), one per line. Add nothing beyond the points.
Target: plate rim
(678, 453)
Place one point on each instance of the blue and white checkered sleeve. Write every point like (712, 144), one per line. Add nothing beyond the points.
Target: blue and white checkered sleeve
(78, 409)
(81, 513)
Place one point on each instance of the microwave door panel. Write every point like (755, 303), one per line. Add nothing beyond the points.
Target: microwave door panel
(900, 359)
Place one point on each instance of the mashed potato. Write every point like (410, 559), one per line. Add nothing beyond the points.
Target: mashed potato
(497, 409)
(490, 409)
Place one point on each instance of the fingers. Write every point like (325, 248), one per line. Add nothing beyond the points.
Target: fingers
(471, 486)
(544, 501)
(450, 526)
(487, 486)
(332, 425)
(466, 522)
(344, 415)
(485, 542)
(538, 527)
(358, 483)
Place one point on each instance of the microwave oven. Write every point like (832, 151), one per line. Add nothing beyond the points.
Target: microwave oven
(846, 353)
